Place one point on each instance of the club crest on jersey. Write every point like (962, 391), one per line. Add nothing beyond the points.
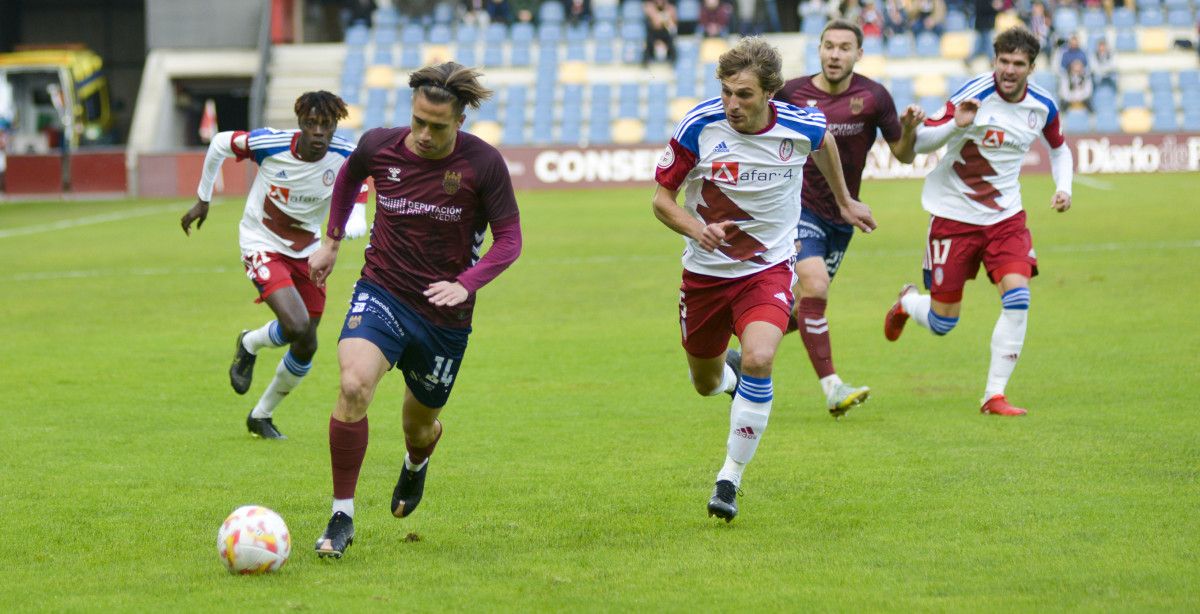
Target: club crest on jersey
(667, 158)
(451, 181)
(353, 322)
(856, 104)
(786, 148)
(725, 172)
(1032, 120)
(993, 138)
(393, 173)
(327, 177)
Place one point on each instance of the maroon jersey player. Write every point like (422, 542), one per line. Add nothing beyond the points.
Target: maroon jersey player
(855, 108)
(438, 190)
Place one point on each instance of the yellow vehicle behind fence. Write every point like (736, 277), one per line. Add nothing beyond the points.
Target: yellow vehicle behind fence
(55, 93)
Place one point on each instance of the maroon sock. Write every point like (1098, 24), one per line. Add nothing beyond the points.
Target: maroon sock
(814, 330)
(347, 447)
(418, 455)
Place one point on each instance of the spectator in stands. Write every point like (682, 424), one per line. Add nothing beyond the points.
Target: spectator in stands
(850, 10)
(475, 12)
(523, 11)
(1041, 26)
(1104, 66)
(871, 20)
(895, 18)
(1073, 52)
(578, 11)
(499, 11)
(1075, 88)
(715, 16)
(662, 22)
(927, 16)
(985, 24)
(758, 16)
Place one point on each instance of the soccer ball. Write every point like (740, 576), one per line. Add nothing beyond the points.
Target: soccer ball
(253, 540)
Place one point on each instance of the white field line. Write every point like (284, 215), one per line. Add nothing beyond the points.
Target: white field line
(89, 220)
(1098, 184)
(594, 260)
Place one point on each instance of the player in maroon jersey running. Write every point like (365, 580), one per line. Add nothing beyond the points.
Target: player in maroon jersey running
(437, 190)
(855, 107)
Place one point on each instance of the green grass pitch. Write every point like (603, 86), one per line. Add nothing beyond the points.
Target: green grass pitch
(577, 460)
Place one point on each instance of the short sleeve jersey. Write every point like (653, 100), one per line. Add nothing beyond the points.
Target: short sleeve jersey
(430, 215)
(289, 198)
(753, 179)
(977, 180)
(853, 118)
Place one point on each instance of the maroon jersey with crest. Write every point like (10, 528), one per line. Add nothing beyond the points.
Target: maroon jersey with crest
(852, 117)
(430, 215)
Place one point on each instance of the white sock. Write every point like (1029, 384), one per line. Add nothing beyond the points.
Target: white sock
(288, 375)
(408, 464)
(345, 506)
(268, 335)
(747, 421)
(727, 384)
(916, 305)
(1007, 340)
(829, 382)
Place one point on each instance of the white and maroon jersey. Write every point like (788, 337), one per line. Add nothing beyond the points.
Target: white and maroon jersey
(289, 197)
(976, 181)
(753, 179)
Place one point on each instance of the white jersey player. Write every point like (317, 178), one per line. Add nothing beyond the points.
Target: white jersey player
(280, 227)
(740, 163)
(974, 200)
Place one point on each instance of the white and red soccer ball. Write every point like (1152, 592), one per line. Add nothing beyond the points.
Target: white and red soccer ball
(253, 540)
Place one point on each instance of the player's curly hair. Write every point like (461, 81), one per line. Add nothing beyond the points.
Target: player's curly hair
(1017, 38)
(450, 82)
(755, 54)
(328, 106)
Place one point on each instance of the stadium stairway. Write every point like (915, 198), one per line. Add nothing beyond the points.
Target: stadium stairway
(296, 69)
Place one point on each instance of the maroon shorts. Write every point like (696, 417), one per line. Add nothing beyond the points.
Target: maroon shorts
(713, 308)
(955, 250)
(271, 271)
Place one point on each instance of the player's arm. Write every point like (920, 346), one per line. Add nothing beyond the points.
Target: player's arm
(904, 148)
(673, 216)
(224, 145)
(830, 164)
(346, 189)
(1062, 164)
(939, 129)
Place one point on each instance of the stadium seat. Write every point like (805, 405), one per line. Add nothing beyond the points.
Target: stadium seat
(1150, 18)
(902, 92)
(412, 34)
(1155, 40)
(872, 45)
(576, 51)
(1189, 80)
(572, 97)
(439, 34)
(443, 14)
(955, 83)
(1094, 19)
(550, 13)
(1107, 123)
(543, 129)
(493, 55)
(930, 84)
(373, 114)
(1133, 99)
(1164, 121)
(928, 45)
(1094, 39)
(357, 35)
(1127, 41)
(688, 11)
(549, 32)
(495, 33)
(466, 54)
(956, 21)
(1065, 20)
(873, 66)
(402, 113)
(931, 104)
(573, 72)
(629, 100)
(711, 85)
(1123, 17)
(1046, 80)
(1180, 18)
(1077, 121)
(958, 45)
(1190, 123)
(570, 130)
(466, 34)
(1010, 19)
(602, 52)
(813, 24)
(1160, 80)
(380, 76)
(628, 131)
(599, 131)
(899, 46)
(547, 55)
(631, 12)
(604, 13)
(679, 107)
(386, 16)
(435, 54)
(1174, 4)
(1136, 120)
(712, 48)
(489, 131)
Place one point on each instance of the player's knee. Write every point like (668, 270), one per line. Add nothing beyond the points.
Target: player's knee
(356, 389)
(1016, 299)
(295, 328)
(941, 325)
(758, 361)
(706, 385)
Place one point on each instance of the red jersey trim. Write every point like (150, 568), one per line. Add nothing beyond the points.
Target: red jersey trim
(1053, 133)
(242, 152)
(946, 115)
(674, 165)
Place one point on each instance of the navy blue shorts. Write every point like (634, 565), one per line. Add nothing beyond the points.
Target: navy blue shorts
(818, 237)
(429, 356)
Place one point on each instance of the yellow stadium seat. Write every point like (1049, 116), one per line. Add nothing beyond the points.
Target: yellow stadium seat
(680, 107)
(929, 84)
(1154, 40)
(711, 50)
(435, 54)
(628, 131)
(1136, 120)
(1006, 20)
(573, 72)
(354, 117)
(487, 130)
(381, 76)
(958, 45)
(873, 66)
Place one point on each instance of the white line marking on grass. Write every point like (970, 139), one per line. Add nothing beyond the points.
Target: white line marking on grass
(1093, 183)
(90, 220)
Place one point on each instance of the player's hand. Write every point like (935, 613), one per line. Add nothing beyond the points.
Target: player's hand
(198, 213)
(714, 235)
(446, 293)
(320, 263)
(964, 112)
(912, 117)
(356, 226)
(859, 214)
(1061, 202)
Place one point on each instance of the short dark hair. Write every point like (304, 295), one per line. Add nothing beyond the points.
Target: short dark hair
(842, 24)
(327, 106)
(1018, 38)
(450, 82)
(755, 54)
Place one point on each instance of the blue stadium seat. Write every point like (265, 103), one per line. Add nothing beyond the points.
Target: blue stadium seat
(466, 34)
(629, 101)
(495, 33)
(712, 86)
(513, 130)
(543, 128)
(402, 114)
(522, 53)
(1108, 123)
(1149, 18)
(1104, 100)
(1077, 121)
(576, 51)
(902, 91)
(1161, 80)
(1123, 17)
(1045, 80)
(550, 12)
(1132, 99)
(493, 55)
(570, 130)
(899, 46)
(599, 131)
(688, 10)
(1126, 41)
(812, 64)
(549, 32)
(347, 134)
(357, 35)
(412, 34)
(1065, 20)
(522, 32)
(602, 52)
(813, 24)
(1094, 39)
(931, 104)
(631, 12)
(548, 56)
(578, 32)
(443, 13)
(956, 21)
(657, 128)
(410, 56)
(1190, 123)
(572, 96)
(872, 45)
(1180, 18)
(633, 37)
(1094, 19)
(489, 110)
(373, 115)
(1149, 4)
(439, 34)
(1189, 79)
(929, 45)
(600, 115)
(386, 16)
(1174, 4)
(1165, 121)
(604, 13)
(467, 55)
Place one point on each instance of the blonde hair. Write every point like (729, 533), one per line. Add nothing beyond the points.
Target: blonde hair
(450, 82)
(757, 55)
